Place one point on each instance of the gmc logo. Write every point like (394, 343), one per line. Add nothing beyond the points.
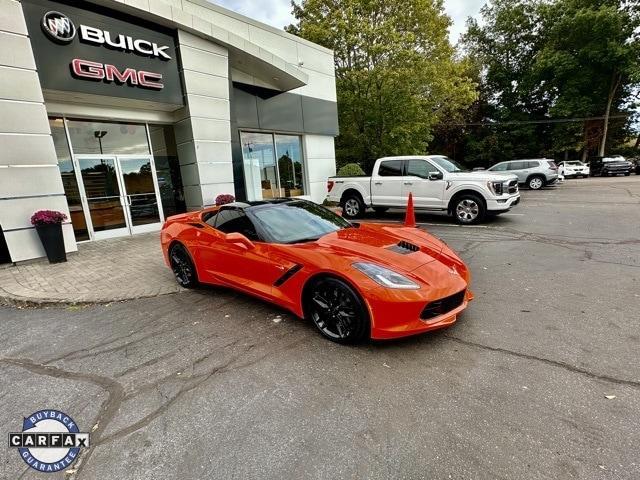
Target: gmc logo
(110, 73)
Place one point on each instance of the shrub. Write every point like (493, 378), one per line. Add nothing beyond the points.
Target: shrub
(224, 199)
(47, 217)
(350, 170)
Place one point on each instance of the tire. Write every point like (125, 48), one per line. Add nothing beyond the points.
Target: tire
(535, 183)
(337, 311)
(627, 174)
(380, 210)
(468, 209)
(183, 267)
(352, 206)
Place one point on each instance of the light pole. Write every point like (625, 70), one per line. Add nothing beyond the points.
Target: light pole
(99, 134)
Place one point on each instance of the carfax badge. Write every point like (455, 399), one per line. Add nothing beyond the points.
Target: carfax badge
(50, 441)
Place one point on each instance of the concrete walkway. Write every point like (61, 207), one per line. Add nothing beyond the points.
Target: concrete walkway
(102, 271)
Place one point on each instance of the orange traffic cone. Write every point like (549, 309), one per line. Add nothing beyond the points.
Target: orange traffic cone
(410, 218)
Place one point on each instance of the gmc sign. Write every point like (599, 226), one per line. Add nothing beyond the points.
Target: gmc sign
(108, 53)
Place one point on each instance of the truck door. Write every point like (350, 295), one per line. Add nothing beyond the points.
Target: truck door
(386, 184)
(427, 190)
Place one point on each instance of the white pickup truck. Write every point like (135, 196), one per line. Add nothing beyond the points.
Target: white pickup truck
(436, 182)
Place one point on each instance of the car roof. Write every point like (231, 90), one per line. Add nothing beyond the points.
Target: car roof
(261, 203)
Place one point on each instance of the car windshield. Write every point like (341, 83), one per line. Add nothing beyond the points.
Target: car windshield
(575, 163)
(297, 221)
(449, 165)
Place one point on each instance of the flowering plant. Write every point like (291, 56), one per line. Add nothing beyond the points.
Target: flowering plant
(47, 217)
(224, 199)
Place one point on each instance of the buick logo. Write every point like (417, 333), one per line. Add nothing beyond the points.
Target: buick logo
(58, 27)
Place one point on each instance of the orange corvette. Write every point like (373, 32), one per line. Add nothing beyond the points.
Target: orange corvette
(354, 281)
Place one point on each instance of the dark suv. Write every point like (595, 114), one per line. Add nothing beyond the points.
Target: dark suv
(605, 166)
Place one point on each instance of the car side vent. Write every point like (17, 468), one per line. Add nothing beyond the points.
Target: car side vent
(404, 248)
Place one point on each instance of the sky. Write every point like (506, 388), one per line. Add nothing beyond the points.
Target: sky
(278, 12)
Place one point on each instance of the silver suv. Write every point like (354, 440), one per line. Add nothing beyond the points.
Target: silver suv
(535, 173)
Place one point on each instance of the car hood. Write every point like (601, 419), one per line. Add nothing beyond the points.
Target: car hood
(616, 163)
(481, 175)
(400, 248)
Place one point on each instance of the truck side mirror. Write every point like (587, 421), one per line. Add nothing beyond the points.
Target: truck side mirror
(436, 176)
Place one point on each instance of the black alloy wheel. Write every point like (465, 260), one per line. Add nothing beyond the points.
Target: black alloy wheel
(337, 310)
(183, 267)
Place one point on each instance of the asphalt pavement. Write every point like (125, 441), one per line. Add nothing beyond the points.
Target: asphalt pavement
(213, 384)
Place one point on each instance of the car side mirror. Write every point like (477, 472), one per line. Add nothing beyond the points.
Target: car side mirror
(435, 176)
(239, 239)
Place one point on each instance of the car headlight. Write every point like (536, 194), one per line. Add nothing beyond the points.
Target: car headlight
(385, 277)
(496, 187)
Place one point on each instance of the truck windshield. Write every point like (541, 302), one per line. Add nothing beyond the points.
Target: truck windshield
(449, 165)
(297, 221)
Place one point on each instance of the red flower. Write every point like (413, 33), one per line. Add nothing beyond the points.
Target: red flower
(47, 217)
(224, 199)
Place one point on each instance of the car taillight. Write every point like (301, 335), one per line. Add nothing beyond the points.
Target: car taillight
(552, 165)
(329, 185)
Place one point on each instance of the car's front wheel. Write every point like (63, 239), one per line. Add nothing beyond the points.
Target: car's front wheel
(183, 267)
(337, 310)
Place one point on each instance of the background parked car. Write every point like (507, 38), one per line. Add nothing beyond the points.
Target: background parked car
(605, 166)
(535, 173)
(635, 165)
(573, 168)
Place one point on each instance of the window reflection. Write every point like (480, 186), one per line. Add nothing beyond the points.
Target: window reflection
(89, 137)
(289, 153)
(69, 180)
(273, 165)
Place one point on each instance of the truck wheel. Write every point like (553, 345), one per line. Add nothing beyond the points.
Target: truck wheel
(352, 206)
(468, 209)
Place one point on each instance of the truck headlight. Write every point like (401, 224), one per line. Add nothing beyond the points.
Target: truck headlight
(385, 277)
(496, 187)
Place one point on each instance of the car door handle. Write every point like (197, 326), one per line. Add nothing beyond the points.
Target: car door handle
(408, 183)
(377, 183)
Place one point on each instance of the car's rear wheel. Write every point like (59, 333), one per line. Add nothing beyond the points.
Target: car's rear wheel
(352, 206)
(183, 267)
(469, 209)
(337, 310)
(535, 183)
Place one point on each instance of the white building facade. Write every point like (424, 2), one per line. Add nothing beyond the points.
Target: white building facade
(122, 113)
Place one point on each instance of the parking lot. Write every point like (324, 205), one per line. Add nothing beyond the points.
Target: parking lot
(213, 384)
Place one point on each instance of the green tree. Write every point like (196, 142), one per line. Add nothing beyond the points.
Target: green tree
(543, 60)
(396, 73)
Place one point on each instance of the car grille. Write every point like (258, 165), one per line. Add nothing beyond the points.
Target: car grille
(442, 306)
(513, 186)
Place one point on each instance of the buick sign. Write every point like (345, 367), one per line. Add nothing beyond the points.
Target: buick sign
(89, 49)
(58, 27)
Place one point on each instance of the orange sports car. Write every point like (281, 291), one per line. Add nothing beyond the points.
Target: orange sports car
(353, 280)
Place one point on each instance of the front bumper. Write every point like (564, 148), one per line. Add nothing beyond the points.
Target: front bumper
(402, 318)
(503, 204)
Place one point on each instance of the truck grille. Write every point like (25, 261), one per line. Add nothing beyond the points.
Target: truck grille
(513, 186)
(442, 306)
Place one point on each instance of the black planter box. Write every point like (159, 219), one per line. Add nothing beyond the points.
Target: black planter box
(52, 241)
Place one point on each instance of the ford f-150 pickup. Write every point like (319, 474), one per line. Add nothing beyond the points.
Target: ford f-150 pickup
(436, 183)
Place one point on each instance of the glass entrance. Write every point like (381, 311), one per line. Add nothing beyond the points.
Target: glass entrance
(121, 195)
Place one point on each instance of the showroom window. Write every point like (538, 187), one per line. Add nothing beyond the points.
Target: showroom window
(273, 165)
(69, 180)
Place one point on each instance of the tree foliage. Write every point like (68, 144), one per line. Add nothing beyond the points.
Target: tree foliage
(396, 72)
(543, 60)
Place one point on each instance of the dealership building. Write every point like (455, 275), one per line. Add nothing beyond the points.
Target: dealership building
(122, 113)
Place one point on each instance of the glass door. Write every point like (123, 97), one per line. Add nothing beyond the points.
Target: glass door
(120, 195)
(141, 193)
(103, 198)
